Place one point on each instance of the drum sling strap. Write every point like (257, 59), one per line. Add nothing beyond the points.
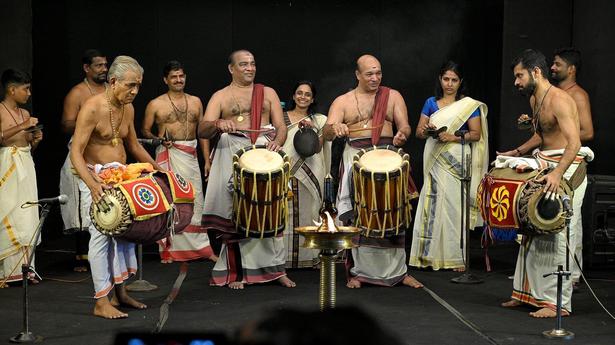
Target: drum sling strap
(256, 108)
(578, 176)
(379, 112)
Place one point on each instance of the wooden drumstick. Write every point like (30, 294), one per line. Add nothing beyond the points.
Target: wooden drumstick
(260, 130)
(364, 129)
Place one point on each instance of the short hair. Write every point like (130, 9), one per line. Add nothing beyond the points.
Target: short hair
(571, 55)
(291, 103)
(451, 65)
(231, 57)
(89, 55)
(529, 59)
(121, 65)
(13, 76)
(172, 65)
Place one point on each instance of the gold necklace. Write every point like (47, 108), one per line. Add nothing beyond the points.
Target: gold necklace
(240, 118)
(359, 110)
(179, 112)
(114, 130)
(87, 83)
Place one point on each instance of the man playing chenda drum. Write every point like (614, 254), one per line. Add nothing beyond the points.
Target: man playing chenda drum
(230, 111)
(556, 121)
(354, 115)
(103, 132)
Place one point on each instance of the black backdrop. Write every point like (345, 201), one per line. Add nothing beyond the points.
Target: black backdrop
(317, 40)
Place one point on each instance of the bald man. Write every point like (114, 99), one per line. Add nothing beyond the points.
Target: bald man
(355, 116)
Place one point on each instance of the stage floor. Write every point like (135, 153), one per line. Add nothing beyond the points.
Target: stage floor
(61, 305)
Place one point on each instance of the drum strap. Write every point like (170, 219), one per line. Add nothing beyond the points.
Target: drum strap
(258, 96)
(578, 176)
(380, 112)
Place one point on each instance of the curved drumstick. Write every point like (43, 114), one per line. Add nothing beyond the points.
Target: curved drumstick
(364, 129)
(260, 130)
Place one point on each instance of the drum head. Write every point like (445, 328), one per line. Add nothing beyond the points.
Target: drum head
(261, 161)
(112, 221)
(545, 215)
(380, 161)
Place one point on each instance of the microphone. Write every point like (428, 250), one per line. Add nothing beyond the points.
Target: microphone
(461, 132)
(152, 142)
(61, 199)
(566, 203)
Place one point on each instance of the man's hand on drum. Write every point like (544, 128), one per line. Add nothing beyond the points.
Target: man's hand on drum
(225, 126)
(273, 146)
(340, 130)
(552, 181)
(96, 189)
(399, 139)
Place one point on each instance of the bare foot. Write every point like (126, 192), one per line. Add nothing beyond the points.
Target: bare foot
(547, 313)
(236, 285)
(459, 269)
(353, 283)
(284, 281)
(104, 309)
(166, 261)
(131, 302)
(80, 269)
(124, 299)
(114, 302)
(213, 258)
(412, 282)
(511, 304)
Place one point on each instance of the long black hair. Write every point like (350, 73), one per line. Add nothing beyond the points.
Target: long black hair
(454, 67)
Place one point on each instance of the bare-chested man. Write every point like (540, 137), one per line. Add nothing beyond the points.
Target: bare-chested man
(556, 121)
(351, 115)
(18, 177)
(103, 132)
(228, 112)
(177, 115)
(566, 65)
(94, 64)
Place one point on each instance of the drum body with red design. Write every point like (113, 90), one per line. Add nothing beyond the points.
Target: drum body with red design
(512, 201)
(146, 209)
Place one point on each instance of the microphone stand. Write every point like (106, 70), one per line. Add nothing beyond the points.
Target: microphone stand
(466, 277)
(140, 284)
(26, 336)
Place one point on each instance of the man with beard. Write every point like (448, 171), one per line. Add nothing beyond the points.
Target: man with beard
(366, 115)
(103, 132)
(94, 64)
(177, 115)
(231, 112)
(566, 64)
(18, 177)
(556, 122)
